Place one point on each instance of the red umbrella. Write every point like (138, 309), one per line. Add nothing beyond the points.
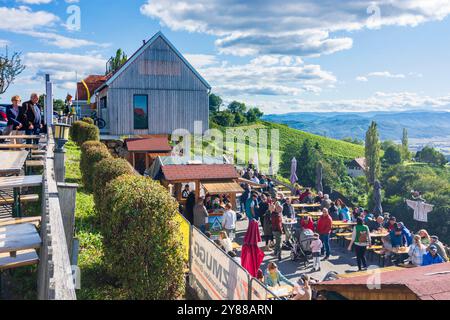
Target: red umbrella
(252, 256)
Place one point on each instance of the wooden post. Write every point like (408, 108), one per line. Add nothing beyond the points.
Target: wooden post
(67, 200)
(60, 169)
(197, 190)
(233, 200)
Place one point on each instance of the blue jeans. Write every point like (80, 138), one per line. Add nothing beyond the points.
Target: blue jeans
(33, 132)
(325, 238)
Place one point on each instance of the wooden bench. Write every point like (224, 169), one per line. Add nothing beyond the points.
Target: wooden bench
(38, 152)
(27, 198)
(381, 257)
(34, 164)
(10, 222)
(22, 259)
(37, 157)
(343, 236)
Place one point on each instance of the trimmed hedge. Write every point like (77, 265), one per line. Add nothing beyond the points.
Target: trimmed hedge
(90, 156)
(104, 172)
(142, 242)
(81, 131)
(88, 120)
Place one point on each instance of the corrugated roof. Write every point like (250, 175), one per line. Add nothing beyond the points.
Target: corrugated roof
(222, 187)
(155, 144)
(199, 172)
(427, 283)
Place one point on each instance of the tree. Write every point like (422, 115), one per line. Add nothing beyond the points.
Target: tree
(406, 155)
(392, 155)
(307, 163)
(215, 102)
(237, 107)
(253, 115)
(10, 68)
(432, 156)
(372, 152)
(353, 141)
(224, 119)
(239, 119)
(119, 60)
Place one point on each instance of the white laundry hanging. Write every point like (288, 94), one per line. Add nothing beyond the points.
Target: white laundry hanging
(421, 210)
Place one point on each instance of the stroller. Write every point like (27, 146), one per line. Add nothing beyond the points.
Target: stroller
(301, 246)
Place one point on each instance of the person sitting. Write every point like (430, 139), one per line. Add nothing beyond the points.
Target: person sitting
(306, 295)
(432, 257)
(440, 247)
(407, 235)
(186, 192)
(255, 179)
(334, 212)
(319, 197)
(377, 224)
(304, 196)
(396, 237)
(260, 276)
(343, 210)
(226, 244)
(274, 278)
(307, 223)
(425, 237)
(326, 202)
(416, 252)
(297, 190)
(391, 224)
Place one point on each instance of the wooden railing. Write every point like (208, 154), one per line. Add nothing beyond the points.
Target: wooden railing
(55, 280)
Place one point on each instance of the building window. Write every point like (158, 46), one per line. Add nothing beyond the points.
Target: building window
(103, 103)
(140, 105)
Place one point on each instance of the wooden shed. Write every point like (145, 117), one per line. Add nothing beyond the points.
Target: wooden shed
(421, 283)
(155, 92)
(143, 151)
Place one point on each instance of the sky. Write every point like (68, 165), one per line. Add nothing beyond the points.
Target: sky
(289, 56)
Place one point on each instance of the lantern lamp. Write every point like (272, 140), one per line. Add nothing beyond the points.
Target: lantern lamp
(61, 134)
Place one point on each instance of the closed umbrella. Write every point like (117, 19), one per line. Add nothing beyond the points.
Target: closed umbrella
(256, 161)
(378, 210)
(294, 177)
(271, 165)
(319, 177)
(252, 256)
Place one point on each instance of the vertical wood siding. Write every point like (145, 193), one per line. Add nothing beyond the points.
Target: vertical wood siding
(177, 98)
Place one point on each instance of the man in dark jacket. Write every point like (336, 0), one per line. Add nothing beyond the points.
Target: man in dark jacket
(33, 119)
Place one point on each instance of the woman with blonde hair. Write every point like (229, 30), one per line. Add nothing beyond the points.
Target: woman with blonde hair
(424, 237)
(15, 115)
(417, 251)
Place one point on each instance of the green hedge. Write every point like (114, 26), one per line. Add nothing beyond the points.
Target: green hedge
(88, 120)
(142, 243)
(81, 131)
(104, 172)
(91, 154)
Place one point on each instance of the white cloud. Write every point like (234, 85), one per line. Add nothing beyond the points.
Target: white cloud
(362, 79)
(292, 27)
(386, 74)
(201, 60)
(23, 20)
(63, 68)
(34, 1)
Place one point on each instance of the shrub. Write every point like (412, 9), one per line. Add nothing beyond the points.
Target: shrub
(104, 172)
(90, 144)
(142, 239)
(81, 131)
(89, 158)
(88, 120)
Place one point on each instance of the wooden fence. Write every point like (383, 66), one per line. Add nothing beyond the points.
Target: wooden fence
(55, 280)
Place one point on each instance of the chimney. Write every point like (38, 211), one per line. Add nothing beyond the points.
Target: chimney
(144, 42)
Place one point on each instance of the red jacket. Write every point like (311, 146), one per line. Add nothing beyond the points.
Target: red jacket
(307, 224)
(277, 222)
(324, 225)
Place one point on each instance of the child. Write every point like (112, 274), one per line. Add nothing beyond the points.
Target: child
(316, 248)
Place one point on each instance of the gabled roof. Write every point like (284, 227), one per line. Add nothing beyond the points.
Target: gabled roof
(360, 162)
(144, 47)
(154, 144)
(193, 172)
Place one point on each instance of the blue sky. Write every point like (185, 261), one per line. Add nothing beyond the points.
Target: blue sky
(300, 56)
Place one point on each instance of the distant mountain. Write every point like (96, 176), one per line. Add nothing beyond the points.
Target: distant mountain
(420, 124)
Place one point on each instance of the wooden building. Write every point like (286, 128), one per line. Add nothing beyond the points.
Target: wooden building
(155, 92)
(143, 151)
(357, 167)
(421, 283)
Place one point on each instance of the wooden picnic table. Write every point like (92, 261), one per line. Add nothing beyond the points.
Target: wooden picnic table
(12, 161)
(17, 183)
(342, 224)
(305, 205)
(6, 146)
(18, 238)
(284, 291)
(31, 137)
(379, 234)
(314, 215)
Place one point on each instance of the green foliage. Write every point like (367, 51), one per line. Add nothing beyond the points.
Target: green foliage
(118, 60)
(433, 183)
(406, 155)
(224, 118)
(354, 141)
(88, 120)
(253, 115)
(431, 156)
(373, 150)
(392, 155)
(81, 131)
(237, 107)
(91, 154)
(104, 172)
(215, 102)
(142, 241)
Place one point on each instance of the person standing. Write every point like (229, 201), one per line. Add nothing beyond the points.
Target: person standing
(326, 202)
(33, 118)
(316, 248)
(432, 257)
(324, 227)
(277, 229)
(229, 220)
(440, 247)
(267, 227)
(200, 215)
(416, 252)
(186, 192)
(15, 115)
(288, 209)
(251, 207)
(361, 240)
